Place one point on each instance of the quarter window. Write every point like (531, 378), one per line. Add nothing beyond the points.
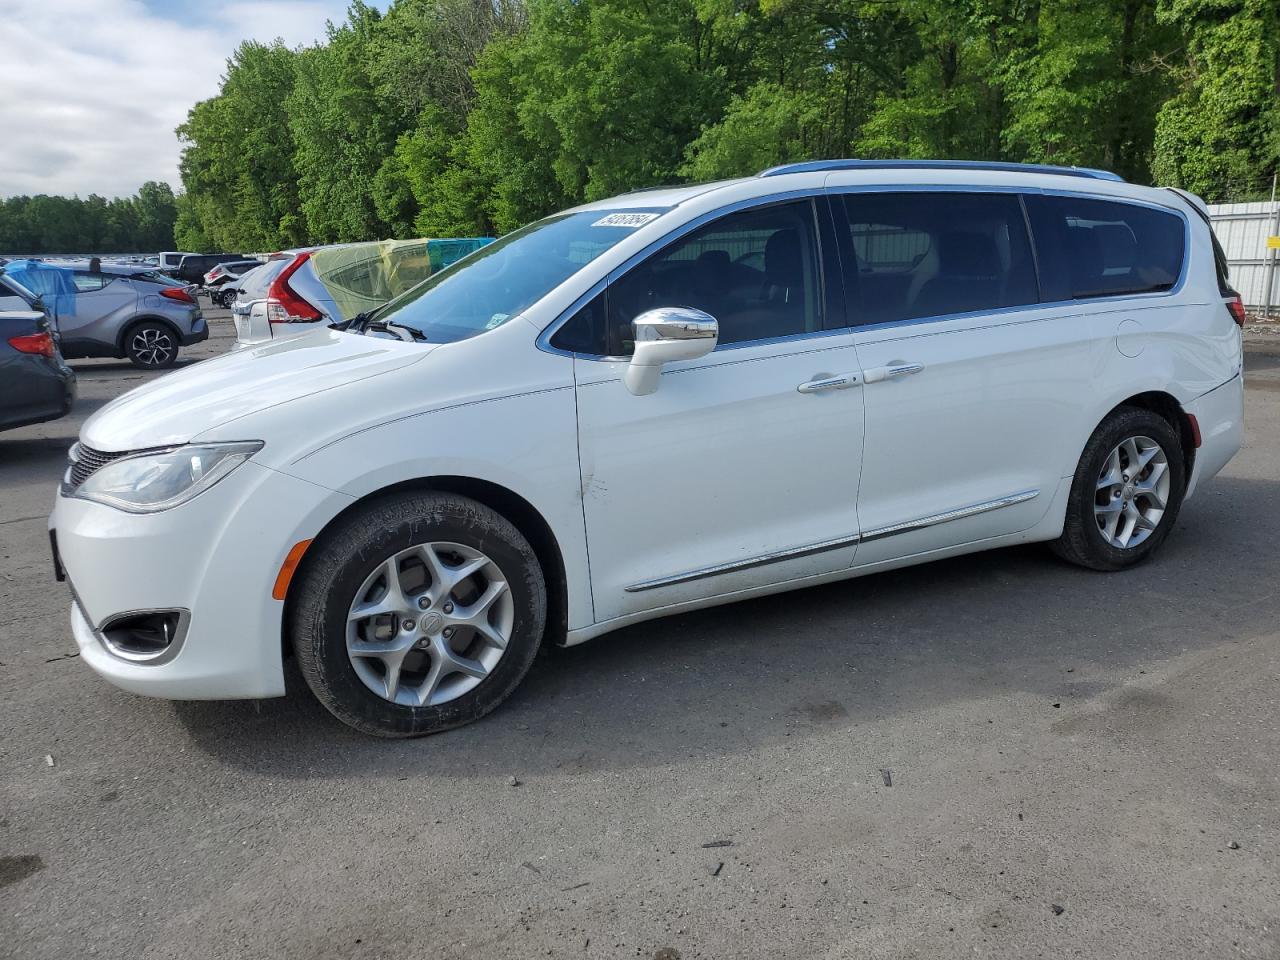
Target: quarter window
(1101, 248)
(927, 254)
(89, 282)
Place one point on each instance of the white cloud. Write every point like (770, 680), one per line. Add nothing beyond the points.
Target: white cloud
(91, 90)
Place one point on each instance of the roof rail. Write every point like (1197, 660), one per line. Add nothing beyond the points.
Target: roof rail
(817, 166)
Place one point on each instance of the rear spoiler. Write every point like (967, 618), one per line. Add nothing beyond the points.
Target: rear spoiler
(1195, 202)
(1219, 255)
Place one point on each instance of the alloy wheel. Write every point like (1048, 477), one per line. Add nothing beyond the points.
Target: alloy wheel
(1132, 492)
(429, 624)
(151, 347)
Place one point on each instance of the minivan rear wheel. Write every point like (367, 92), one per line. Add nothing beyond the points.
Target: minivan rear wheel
(418, 613)
(151, 346)
(1126, 492)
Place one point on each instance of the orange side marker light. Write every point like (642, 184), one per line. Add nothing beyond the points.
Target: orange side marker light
(281, 589)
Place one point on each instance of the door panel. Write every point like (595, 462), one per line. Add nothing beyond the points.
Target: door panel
(984, 421)
(95, 310)
(972, 386)
(726, 464)
(741, 469)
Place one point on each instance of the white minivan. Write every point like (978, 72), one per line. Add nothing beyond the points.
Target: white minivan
(671, 399)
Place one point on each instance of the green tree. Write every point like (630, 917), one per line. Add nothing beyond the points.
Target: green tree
(1090, 90)
(237, 159)
(155, 212)
(48, 224)
(1219, 135)
(342, 130)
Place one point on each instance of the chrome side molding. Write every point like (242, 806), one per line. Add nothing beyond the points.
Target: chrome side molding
(879, 533)
(791, 554)
(823, 546)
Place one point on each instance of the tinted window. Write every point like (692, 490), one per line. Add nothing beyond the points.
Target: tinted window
(89, 282)
(587, 332)
(254, 284)
(927, 254)
(756, 272)
(1100, 248)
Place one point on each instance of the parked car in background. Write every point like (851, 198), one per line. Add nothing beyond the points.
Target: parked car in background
(253, 290)
(168, 260)
(116, 310)
(323, 285)
(193, 266)
(656, 403)
(219, 282)
(35, 383)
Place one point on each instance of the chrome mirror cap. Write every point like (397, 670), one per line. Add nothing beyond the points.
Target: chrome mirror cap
(664, 335)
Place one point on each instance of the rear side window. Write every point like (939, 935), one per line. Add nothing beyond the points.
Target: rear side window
(927, 254)
(89, 282)
(253, 285)
(1102, 248)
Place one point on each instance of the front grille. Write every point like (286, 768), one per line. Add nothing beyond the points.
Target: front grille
(85, 461)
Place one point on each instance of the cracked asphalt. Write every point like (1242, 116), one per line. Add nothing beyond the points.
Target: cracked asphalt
(1080, 765)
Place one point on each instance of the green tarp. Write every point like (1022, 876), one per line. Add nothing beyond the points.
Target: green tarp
(362, 276)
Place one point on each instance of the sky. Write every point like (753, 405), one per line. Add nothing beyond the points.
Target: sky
(91, 90)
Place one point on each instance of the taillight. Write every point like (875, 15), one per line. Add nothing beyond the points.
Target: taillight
(287, 303)
(176, 293)
(39, 343)
(1236, 305)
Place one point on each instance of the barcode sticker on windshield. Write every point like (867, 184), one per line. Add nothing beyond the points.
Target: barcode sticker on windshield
(631, 220)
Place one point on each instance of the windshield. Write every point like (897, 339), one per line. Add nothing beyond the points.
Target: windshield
(495, 283)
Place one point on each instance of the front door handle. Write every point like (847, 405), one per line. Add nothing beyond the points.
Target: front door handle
(839, 382)
(876, 374)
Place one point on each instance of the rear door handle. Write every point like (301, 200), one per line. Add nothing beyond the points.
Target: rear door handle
(876, 374)
(839, 382)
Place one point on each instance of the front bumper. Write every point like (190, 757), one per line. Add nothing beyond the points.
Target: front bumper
(216, 556)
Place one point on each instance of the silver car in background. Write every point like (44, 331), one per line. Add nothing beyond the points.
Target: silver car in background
(300, 290)
(257, 306)
(129, 311)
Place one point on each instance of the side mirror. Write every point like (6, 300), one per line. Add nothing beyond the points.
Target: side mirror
(665, 335)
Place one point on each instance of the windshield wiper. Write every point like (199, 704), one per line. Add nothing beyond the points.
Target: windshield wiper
(357, 322)
(407, 334)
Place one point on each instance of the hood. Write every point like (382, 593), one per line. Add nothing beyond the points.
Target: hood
(181, 406)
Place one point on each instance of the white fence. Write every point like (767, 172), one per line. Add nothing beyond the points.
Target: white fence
(1243, 228)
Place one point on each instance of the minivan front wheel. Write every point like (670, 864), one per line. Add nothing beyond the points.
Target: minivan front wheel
(1126, 492)
(151, 346)
(419, 613)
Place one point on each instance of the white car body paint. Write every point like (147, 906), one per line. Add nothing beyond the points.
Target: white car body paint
(725, 483)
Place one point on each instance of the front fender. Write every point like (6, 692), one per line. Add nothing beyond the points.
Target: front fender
(526, 444)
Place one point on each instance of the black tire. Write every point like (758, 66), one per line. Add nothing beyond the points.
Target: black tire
(1083, 541)
(338, 564)
(151, 345)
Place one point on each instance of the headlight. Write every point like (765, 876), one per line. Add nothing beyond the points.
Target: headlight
(151, 482)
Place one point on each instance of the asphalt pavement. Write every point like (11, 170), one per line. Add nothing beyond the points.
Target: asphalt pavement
(998, 756)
